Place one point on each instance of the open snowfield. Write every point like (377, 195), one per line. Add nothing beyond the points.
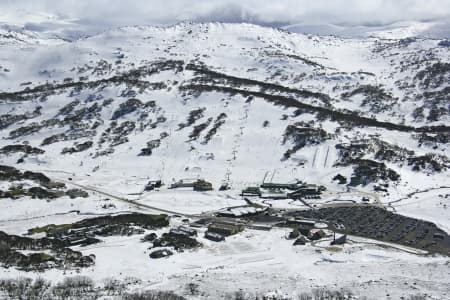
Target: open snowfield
(254, 261)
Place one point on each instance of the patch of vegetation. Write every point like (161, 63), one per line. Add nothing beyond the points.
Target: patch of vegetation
(153, 295)
(389, 152)
(432, 140)
(147, 151)
(375, 97)
(8, 119)
(67, 109)
(84, 232)
(435, 75)
(60, 256)
(77, 287)
(135, 219)
(131, 78)
(129, 106)
(345, 117)
(197, 130)
(26, 149)
(77, 147)
(34, 127)
(218, 122)
(16, 192)
(366, 171)
(117, 134)
(193, 116)
(302, 134)
(178, 242)
(429, 162)
(212, 78)
(68, 136)
(8, 173)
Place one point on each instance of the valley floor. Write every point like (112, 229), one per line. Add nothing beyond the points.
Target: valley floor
(253, 261)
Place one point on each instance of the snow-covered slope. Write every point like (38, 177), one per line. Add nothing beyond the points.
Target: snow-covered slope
(203, 102)
(437, 29)
(230, 103)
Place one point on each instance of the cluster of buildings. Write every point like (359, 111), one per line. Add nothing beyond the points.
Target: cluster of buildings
(298, 190)
(218, 231)
(199, 185)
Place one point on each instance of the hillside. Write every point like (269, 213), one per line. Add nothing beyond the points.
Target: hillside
(232, 104)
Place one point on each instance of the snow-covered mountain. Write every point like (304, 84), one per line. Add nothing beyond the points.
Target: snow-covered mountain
(224, 102)
(437, 29)
(368, 119)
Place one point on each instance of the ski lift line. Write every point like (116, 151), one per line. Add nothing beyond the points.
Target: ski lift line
(314, 158)
(273, 175)
(326, 157)
(265, 176)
